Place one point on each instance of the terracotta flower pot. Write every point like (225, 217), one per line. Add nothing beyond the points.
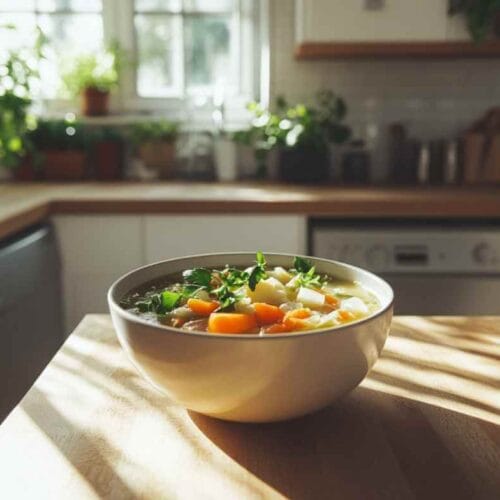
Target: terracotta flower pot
(26, 172)
(159, 155)
(64, 165)
(108, 160)
(95, 102)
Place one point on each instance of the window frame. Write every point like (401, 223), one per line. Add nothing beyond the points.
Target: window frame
(118, 19)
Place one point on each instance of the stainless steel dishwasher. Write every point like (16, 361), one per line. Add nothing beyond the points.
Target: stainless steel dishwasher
(30, 311)
(435, 266)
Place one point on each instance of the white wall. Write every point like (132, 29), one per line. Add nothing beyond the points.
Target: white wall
(434, 98)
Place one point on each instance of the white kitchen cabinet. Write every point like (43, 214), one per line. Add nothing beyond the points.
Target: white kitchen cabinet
(169, 236)
(95, 251)
(377, 21)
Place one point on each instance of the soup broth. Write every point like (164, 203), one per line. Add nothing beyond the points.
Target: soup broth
(257, 300)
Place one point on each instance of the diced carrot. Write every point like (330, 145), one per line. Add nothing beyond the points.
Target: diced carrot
(231, 323)
(298, 313)
(346, 315)
(293, 324)
(202, 307)
(266, 314)
(331, 300)
(277, 328)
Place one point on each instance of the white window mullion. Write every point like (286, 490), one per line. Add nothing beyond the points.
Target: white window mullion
(179, 55)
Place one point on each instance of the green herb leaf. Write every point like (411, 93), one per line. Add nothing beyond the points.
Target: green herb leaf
(258, 271)
(198, 276)
(302, 265)
(260, 259)
(257, 274)
(169, 300)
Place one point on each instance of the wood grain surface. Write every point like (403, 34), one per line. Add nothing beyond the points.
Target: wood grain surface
(424, 424)
(25, 204)
(397, 49)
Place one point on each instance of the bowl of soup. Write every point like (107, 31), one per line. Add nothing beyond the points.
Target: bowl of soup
(250, 337)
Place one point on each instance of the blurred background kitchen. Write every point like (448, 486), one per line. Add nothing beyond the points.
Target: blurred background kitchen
(137, 130)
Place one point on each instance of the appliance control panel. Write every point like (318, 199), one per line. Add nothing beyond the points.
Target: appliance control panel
(402, 250)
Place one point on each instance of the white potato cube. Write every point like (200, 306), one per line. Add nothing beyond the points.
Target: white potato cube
(310, 298)
(354, 305)
(270, 291)
(281, 274)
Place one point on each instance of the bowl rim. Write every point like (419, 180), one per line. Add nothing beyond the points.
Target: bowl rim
(134, 318)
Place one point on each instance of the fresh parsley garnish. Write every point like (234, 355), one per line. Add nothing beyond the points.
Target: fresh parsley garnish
(302, 265)
(159, 303)
(198, 276)
(258, 271)
(307, 273)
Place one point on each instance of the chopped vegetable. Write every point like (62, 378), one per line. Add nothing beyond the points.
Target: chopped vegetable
(252, 299)
(310, 298)
(267, 314)
(198, 276)
(231, 323)
(258, 271)
(202, 307)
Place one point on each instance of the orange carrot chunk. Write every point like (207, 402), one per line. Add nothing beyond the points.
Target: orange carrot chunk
(266, 314)
(298, 313)
(231, 323)
(294, 324)
(346, 316)
(202, 307)
(331, 300)
(277, 328)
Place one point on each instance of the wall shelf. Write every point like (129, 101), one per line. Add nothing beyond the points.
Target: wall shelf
(394, 50)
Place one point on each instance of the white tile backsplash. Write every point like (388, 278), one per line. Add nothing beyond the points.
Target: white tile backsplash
(437, 98)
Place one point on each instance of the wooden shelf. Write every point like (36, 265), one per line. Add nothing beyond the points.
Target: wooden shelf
(420, 50)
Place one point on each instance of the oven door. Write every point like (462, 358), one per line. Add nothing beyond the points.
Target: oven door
(446, 294)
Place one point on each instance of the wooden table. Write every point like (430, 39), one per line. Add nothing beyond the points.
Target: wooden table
(425, 424)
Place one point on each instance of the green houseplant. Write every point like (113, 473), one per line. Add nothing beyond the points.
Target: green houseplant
(154, 142)
(93, 77)
(302, 134)
(18, 74)
(62, 148)
(481, 16)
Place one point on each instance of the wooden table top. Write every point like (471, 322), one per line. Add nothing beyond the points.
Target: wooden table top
(24, 204)
(424, 424)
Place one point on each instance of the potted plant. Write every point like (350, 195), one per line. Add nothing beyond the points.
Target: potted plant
(303, 135)
(18, 73)
(107, 153)
(482, 16)
(93, 77)
(155, 145)
(61, 145)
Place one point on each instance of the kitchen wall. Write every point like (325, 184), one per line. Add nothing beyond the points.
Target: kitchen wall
(433, 98)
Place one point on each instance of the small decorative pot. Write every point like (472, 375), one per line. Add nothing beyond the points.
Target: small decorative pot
(226, 161)
(64, 165)
(108, 157)
(95, 102)
(158, 155)
(304, 165)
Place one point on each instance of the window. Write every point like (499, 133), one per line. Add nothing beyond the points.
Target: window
(183, 50)
(72, 26)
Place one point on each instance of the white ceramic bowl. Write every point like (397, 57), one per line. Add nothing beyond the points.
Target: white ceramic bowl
(248, 378)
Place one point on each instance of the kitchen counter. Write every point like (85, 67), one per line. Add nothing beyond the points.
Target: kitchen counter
(424, 424)
(24, 204)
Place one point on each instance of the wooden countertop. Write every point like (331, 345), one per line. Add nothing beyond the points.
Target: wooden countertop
(424, 424)
(25, 204)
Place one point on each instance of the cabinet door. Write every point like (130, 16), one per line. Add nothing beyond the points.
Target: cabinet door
(377, 21)
(176, 236)
(95, 251)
